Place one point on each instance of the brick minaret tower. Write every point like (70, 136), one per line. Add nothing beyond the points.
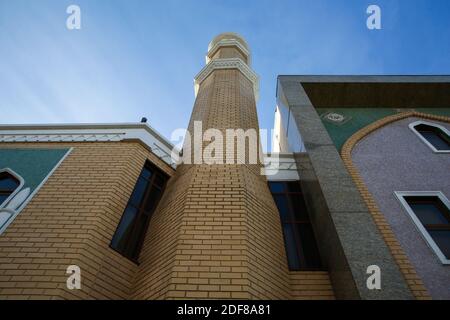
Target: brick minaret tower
(217, 232)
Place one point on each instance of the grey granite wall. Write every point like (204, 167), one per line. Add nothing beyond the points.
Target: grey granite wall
(393, 158)
(348, 239)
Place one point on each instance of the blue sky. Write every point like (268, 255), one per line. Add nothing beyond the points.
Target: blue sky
(138, 58)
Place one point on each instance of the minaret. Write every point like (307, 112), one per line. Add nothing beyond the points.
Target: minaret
(217, 232)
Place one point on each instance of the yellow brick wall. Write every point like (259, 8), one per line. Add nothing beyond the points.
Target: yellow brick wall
(313, 285)
(215, 234)
(229, 52)
(222, 231)
(71, 220)
(210, 237)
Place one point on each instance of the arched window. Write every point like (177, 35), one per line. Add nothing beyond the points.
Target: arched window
(8, 184)
(434, 135)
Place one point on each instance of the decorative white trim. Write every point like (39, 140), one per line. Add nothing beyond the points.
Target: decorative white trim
(90, 133)
(61, 137)
(24, 204)
(280, 167)
(229, 63)
(432, 124)
(228, 35)
(18, 199)
(227, 43)
(21, 184)
(429, 240)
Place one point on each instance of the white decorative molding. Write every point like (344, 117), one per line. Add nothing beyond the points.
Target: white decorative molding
(431, 124)
(227, 43)
(9, 206)
(161, 147)
(18, 199)
(335, 117)
(227, 35)
(427, 237)
(229, 63)
(10, 210)
(60, 137)
(13, 194)
(280, 167)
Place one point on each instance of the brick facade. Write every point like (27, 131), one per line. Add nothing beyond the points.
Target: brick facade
(201, 243)
(71, 221)
(225, 232)
(216, 232)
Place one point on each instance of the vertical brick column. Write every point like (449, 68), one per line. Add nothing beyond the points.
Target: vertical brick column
(224, 237)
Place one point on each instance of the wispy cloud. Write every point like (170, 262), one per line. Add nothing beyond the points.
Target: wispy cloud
(138, 58)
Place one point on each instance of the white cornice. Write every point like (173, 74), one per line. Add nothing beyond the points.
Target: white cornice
(227, 43)
(66, 137)
(90, 133)
(86, 127)
(228, 35)
(230, 63)
(280, 167)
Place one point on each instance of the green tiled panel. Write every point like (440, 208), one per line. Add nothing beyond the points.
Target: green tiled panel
(361, 117)
(33, 165)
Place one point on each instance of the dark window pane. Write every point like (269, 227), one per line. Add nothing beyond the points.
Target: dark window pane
(7, 182)
(294, 186)
(436, 140)
(124, 229)
(282, 204)
(301, 247)
(159, 180)
(308, 245)
(428, 213)
(429, 210)
(138, 192)
(3, 197)
(133, 226)
(276, 186)
(435, 136)
(146, 173)
(135, 241)
(300, 211)
(152, 200)
(442, 239)
(291, 247)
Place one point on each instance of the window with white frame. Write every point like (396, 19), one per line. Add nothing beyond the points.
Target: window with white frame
(9, 183)
(433, 135)
(430, 212)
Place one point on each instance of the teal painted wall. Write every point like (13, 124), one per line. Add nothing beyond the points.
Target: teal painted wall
(32, 164)
(361, 117)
